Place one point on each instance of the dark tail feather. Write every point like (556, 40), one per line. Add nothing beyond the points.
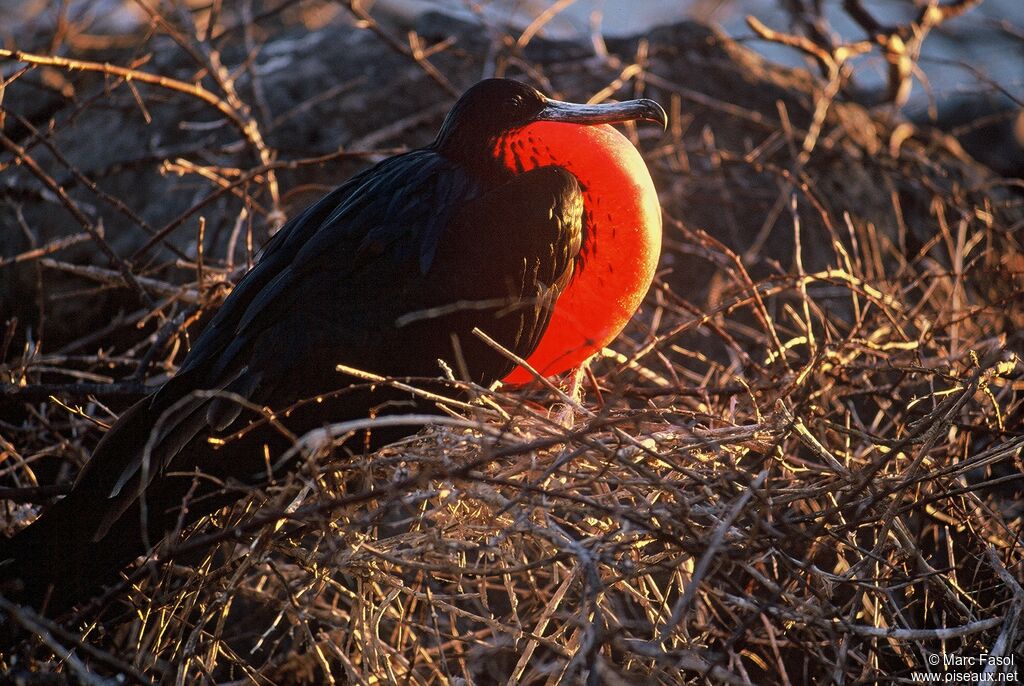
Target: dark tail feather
(57, 561)
(54, 563)
(65, 557)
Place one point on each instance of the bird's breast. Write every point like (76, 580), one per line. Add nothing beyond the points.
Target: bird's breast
(622, 236)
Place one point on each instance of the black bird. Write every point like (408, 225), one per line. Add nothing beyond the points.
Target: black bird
(388, 273)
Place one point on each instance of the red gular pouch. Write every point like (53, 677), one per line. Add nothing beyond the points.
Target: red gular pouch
(622, 237)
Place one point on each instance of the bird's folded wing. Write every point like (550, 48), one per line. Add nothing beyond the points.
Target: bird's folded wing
(310, 286)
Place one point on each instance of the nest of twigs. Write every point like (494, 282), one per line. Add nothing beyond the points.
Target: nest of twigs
(806, 468)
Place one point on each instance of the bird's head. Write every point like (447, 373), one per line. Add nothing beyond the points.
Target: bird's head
(494, 108)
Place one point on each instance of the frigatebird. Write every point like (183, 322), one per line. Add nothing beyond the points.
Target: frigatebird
(485, 228)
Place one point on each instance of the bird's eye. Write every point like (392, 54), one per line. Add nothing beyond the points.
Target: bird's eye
(517, 101)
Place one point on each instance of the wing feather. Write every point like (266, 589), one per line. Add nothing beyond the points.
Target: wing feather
(318, 252)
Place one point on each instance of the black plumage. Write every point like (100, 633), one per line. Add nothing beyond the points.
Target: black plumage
(388, 273)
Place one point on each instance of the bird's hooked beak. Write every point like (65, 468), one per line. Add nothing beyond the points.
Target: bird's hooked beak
(608, 113)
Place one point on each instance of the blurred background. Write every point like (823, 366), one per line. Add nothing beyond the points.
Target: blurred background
(965, 57)
(968, 68)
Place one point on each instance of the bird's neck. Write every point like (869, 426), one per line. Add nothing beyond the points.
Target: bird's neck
(483, 160)
(521, 149)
